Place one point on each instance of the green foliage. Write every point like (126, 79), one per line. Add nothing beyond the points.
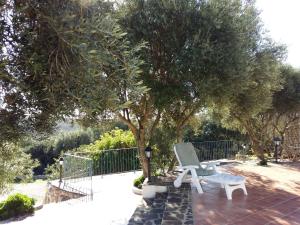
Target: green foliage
(66, 56)
(115, 139)
(110, 152)
(287, 100)
(16, 205)
(161, 55)
(263, 162)
(192, 35)
(52, 170)
(202, 54)
(138, 182)
(189, 42)
(269, 108)
(162, 140)
(50, 148)
(210, 130)
(15, 165)
(247, 107)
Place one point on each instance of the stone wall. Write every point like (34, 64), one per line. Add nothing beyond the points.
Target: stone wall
(57, 194)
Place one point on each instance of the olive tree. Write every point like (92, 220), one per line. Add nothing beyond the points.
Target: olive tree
(63, 59)
(199, 54)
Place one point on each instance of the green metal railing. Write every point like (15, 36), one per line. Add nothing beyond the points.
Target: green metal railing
(214, 150)
(127, 159)
(80, 168)
(117, 161)
(77, 175)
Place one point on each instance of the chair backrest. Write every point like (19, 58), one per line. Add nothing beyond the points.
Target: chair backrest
(186, 154)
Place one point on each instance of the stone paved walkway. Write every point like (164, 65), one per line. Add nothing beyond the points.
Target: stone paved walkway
(171, 208)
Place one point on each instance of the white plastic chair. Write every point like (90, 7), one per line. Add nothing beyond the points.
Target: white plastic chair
(189, 163)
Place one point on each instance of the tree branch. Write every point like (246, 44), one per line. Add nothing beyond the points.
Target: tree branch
(155, 123)
(128, 123)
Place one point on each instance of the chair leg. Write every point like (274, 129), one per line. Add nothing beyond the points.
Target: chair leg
(180, 178)
(228, 191)
(196, 181)
(244, 189)
(177, 182)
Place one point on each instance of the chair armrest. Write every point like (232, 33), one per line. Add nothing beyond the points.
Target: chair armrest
(189, 167)
(184, 172)
(208, 165)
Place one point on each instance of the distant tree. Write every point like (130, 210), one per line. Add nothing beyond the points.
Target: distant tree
(45, 150)
(279, 109)
(15, 165)
(210, 130)
(286, 102)
(248, 110)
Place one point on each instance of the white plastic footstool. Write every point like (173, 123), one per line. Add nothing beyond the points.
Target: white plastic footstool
(229, 182)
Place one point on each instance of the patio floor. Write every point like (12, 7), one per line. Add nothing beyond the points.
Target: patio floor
(273, 197)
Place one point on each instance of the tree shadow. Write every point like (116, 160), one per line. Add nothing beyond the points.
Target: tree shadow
(291, 165)
(265, 203)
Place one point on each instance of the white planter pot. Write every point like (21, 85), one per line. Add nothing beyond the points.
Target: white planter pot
(161, 189)
(150, 190)
(136, 190)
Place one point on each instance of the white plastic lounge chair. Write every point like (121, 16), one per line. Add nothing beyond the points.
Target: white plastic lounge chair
(189, 163)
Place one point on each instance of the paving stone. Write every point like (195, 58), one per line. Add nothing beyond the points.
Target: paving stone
(171, 222)
(171, 208)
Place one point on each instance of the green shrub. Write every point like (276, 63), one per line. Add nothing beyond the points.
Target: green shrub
(263, 162)
(163, 139)
(139, 181)
(52, 171)
(112, 161)
(114, 139)
(16, 205)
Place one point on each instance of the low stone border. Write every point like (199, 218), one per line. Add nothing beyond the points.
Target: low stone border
(38, 207)
(57, 194)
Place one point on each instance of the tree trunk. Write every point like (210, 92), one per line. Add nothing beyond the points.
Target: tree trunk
(179, 134)
(179, 139)
(141, 142)
(140, 138)
(258, 150)
(255, 140)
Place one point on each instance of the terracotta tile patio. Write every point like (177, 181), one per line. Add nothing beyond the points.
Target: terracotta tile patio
(273, 197)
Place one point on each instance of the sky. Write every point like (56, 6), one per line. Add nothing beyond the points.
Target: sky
(282, 19)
